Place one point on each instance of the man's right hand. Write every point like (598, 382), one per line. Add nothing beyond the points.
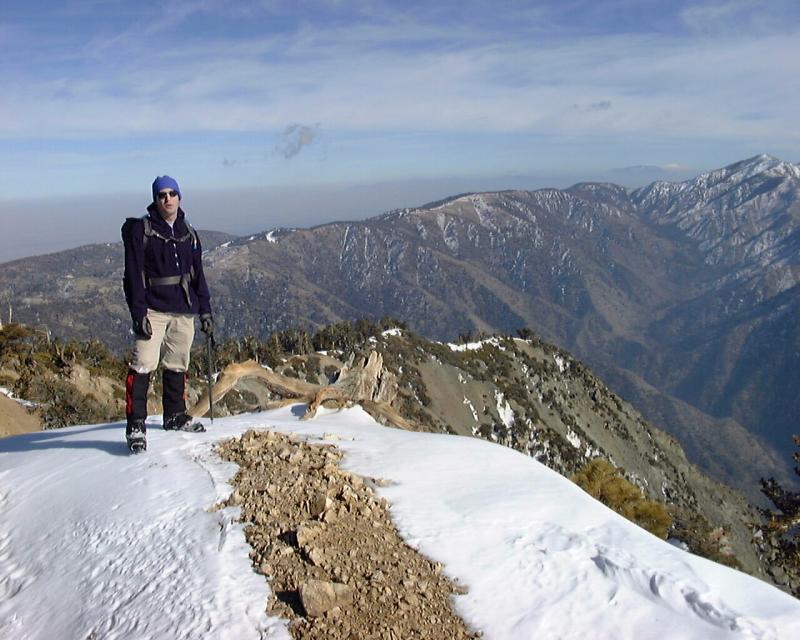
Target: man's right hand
(142, 328)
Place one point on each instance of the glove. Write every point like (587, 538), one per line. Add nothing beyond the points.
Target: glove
(142, 329)
(207, 324)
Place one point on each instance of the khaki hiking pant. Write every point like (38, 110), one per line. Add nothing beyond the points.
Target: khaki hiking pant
(171, 341)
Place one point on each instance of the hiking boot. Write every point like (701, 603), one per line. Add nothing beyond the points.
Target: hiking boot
(136, 435)
(182, 422)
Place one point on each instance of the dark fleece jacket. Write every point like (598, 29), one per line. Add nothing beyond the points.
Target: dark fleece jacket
(159, 259)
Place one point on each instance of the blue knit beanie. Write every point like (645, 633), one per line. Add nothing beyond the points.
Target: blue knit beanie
(164, 182)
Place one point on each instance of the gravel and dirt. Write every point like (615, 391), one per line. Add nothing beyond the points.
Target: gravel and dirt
(15, 419)
(336, 565)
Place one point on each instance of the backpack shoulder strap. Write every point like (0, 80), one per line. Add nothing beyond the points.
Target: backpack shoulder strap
(147, 230)
(195, 240)
(195, 244)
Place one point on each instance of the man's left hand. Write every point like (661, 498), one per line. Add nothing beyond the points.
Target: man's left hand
(207, 324)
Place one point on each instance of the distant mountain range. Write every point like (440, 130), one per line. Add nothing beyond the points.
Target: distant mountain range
(683, 296)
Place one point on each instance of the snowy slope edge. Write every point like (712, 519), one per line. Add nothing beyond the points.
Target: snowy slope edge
(539, 556)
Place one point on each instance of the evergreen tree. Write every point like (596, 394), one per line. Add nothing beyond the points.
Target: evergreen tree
(781, 531)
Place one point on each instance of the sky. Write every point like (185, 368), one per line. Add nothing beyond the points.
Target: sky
(273, 113)
(540, 558)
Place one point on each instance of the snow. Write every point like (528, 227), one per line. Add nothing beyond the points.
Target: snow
(504, 410)
(474, 346)
(9, 394)
(471, 407)
(97, 543)
(467, 346)
(573, 438)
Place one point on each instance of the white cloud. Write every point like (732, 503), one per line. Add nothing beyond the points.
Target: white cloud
(398, 75)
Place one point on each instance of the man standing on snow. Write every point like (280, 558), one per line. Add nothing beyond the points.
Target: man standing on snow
(165, 288)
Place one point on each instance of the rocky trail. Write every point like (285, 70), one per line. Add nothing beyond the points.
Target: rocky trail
(336, 565)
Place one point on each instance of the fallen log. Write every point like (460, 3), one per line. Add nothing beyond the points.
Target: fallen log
(366, 383)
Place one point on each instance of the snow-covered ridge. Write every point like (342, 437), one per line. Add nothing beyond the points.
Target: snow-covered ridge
(221, 253)
(709, 186)
(540, 557)
(736, 215)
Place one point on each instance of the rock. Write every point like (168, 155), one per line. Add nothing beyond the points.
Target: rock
(320, 596)
(307, 532)
(304, 535)
(284, 453)
(334, 613)
(317, 504)
(317, 556)
(330, 516)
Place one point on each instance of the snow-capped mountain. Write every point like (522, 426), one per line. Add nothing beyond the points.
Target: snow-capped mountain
(95, 543)
(743, 217)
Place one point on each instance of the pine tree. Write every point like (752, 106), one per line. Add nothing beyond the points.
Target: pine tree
(780, 536)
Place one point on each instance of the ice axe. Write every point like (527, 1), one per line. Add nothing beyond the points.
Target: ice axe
(210, 354)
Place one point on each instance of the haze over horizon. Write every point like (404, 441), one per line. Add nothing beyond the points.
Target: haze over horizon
(277, 113)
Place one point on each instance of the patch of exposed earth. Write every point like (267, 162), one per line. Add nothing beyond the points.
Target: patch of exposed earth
(336, 565)
(15, 419)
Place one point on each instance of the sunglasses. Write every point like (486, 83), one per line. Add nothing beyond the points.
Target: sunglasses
(162, 195)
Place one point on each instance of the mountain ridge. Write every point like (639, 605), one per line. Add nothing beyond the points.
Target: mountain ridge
(691, 287)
